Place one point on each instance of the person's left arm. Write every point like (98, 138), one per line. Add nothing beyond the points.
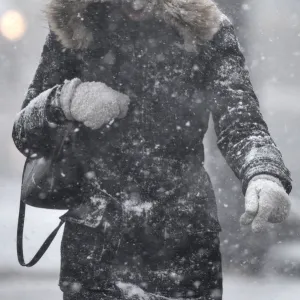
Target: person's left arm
(243, 136)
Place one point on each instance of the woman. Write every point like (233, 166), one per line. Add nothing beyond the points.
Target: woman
(147, 227)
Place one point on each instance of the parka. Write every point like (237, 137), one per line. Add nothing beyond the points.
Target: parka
(144, 177)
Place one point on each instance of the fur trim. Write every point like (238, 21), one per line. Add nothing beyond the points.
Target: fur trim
(66, 21)
(196, 20)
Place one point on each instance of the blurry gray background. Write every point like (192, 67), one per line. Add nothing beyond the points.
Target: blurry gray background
(267, 266)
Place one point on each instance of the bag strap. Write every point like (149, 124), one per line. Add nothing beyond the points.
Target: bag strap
(66, 131)
(44, 246)
(22, 210)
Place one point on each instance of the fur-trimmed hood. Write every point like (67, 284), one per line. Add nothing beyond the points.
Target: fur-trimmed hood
(196, 20)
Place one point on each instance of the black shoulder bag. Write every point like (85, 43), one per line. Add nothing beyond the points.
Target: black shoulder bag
(50, 182)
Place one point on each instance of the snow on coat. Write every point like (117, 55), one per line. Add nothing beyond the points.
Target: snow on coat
(145, 180)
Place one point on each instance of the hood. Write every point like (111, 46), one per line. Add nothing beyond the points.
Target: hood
(196, 20)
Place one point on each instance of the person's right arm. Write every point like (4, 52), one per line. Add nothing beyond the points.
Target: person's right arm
(56, 96)
(35, 123)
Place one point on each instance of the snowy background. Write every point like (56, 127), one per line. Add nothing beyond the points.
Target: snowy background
(265, 267)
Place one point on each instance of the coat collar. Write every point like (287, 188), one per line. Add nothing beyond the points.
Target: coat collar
(196, 20)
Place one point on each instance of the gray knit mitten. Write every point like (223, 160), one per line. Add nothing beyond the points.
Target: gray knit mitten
(92, 103)
(265, 201)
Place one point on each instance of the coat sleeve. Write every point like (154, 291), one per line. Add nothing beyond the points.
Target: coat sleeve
(35, 124)
(243, 136)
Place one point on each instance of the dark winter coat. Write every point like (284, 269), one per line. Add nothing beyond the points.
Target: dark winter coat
(149, 165)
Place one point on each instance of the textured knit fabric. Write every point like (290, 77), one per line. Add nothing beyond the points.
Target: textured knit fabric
(265, 201)
(67, 95)
(95, 104)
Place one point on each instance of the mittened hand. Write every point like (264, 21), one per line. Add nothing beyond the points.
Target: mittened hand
(92, 103)
(265, 202)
